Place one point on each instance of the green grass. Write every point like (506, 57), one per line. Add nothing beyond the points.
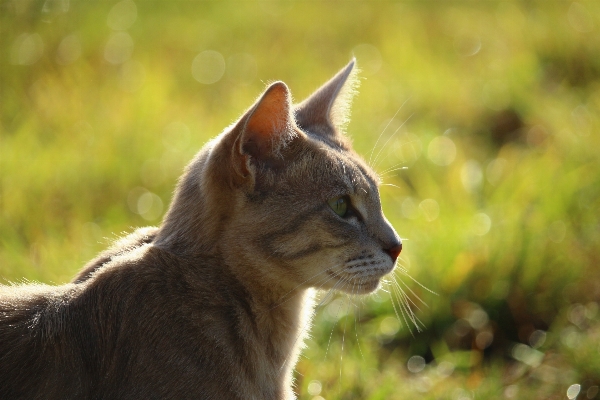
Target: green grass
(499, 134)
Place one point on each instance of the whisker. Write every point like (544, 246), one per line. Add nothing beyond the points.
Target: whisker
(357, 308)
(409, 298)
(392, 169)
(329, 293)
(343, 340)
(301, 284)
(391, 184)
(397, 165)
(336, 318)
(302, 330)
(405, 273)
(390, 138)
(384, 129)
(412, 292)
(406, 302)
(392, 294)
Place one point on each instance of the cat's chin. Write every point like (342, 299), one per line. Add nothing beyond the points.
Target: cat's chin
(361, 287)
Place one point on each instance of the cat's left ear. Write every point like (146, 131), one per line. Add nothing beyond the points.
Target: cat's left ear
(267, 130)
(327, 110)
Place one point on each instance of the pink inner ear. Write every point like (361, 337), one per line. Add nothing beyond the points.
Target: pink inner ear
(271, 116)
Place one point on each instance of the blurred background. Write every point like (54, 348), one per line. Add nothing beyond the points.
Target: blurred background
(481, 117)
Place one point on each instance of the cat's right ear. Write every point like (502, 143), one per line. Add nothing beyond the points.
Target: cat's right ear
(327, 110)
(267, 128)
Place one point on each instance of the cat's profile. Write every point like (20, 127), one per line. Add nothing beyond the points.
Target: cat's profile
(214, 303)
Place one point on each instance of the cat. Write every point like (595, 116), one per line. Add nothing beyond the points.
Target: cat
(216, 302)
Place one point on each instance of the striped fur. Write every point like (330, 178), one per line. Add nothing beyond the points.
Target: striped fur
(214, 303)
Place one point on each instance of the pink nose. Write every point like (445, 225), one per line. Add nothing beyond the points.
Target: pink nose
(394, 252)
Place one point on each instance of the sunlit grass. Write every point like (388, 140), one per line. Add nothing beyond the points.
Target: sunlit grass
(491, 158)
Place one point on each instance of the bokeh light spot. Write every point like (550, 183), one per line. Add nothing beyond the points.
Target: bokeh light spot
(527, 355)
(484, 339)
(314, 388)
(119, 48)
(337, 309)
(409, 208)
(537, 339)
(122, 15)
(208, 67)
(482, 224)
(478, 318)
(570, 337)
(441, 151)
(461, 327)
(27, 49)
(580, 18)
(573, 391)
(430, 209)
(69, 50)
(445, 369)
(416, 364)
(145, 203)
(471, 175)
(461, 394)
(495, 170)
(409, 148)
(389, 326)
(577, 314)
(55, 6)
(511, 391)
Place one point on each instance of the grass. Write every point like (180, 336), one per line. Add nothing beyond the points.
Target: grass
(498, 203)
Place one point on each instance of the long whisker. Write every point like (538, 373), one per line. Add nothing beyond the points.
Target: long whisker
(357, 308)
(390, 138)
(405, 273)
(344, 339)
(391, 184)
(406, 302)
(301, 331)
(384, 129)
(336, 317)
(392, 169)
(392, 295)
(411, 291)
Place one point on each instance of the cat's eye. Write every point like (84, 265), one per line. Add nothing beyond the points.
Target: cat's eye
(339, 205)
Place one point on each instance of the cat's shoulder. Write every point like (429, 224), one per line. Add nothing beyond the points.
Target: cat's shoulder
(119, 249)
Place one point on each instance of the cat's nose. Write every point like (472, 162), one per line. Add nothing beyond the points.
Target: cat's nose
(394, 251)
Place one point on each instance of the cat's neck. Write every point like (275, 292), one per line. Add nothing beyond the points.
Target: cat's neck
(190, 226)
(283, 324)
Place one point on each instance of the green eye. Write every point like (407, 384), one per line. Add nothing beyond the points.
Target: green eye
(339, 205)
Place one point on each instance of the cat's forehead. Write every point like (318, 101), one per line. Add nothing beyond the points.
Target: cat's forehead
(359, 175)
(347, 171)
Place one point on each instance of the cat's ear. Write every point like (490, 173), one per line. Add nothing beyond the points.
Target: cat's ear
(327, 110)
(267, 128)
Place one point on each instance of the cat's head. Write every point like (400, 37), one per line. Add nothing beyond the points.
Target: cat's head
(289, 200)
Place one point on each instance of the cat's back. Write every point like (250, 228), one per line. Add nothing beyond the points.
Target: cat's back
(133, 317)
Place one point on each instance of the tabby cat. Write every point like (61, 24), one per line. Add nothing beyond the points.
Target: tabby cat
(214, 303)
